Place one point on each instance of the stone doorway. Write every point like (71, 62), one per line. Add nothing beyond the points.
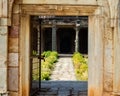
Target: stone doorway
(95, 38)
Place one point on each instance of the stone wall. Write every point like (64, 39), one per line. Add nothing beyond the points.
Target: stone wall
(13, 48)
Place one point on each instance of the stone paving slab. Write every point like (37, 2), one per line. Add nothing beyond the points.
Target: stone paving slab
(64, 70)
(63, 88)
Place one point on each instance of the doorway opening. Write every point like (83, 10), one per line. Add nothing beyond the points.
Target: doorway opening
(56, 34)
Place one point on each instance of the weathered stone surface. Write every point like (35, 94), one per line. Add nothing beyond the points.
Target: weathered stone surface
(3, 80)
(3, 58)
(3, 30)
(13, 59)
(15, 20)
(3, 62)
(0, 8)
(13, 94)
(59, 9)
(14, 31)
(107, 94)
(18, 1)
(108, 60)
(60, 2)
(13, 44)
(16, 9)
(13, 79)
(3, 21)
(10, 11)
(3, 43)
(113, 8)
(116, 68)
(3, 8)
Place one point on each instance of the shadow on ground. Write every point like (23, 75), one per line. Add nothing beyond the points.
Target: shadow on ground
(61, 88)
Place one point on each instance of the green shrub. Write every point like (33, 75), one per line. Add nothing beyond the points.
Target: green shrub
(46, 54)
(50, 58)
(45, 75)
(54, 53)
(47, 65)
(81, 66)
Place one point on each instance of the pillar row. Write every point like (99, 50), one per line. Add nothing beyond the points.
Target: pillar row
(54, 47)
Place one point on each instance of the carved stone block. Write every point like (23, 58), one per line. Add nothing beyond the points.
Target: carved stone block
(13, 79)
(13, 59)
(14, 31)
(13, 44)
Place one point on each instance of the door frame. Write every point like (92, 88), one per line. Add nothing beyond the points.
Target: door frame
(95, 42)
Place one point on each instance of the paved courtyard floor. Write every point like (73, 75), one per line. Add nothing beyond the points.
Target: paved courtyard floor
(64, 70)
(63, 81)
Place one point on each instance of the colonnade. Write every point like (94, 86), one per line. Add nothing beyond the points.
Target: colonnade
(54, 36)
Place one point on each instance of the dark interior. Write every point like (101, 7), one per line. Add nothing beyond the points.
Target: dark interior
(66, 38)
(47, 33)
(83, 40)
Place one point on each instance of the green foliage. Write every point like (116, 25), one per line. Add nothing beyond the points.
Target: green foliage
(81, 66)
(78, 58)
(47, 65)
(54, 53)
(46, 54)
(45, 75)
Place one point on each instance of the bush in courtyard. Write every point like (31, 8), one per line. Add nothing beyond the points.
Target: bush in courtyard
(81, 66)
(50, 58)
(45, 75)
(46, 54)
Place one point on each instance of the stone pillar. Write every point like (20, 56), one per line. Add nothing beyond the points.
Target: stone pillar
(13, 51)
(95, 55)
(3, 46)
(3, 56)
(54, 47)
(77, 37)
(116, 68)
